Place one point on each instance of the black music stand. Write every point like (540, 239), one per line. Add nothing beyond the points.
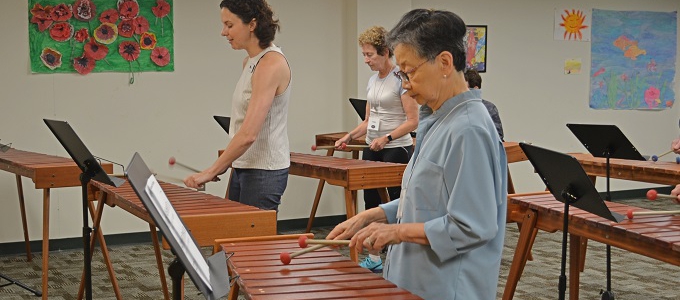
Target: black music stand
(209, 275)
(5, 147)
(606, 141)
(90, 170)
(568, 182)
(359, 106)
(224, 122)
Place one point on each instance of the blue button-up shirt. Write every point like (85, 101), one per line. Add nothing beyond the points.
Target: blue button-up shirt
(455, 183)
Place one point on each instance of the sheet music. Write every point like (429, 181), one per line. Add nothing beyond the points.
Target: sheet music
(178, 230)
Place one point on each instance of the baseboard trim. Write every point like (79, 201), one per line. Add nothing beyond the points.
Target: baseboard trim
(15, 248)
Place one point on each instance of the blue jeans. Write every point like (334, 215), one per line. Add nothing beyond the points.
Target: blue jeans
(259, 188)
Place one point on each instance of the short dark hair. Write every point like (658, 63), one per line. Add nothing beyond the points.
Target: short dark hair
(431, 32)
(259, 10)
(473, 79)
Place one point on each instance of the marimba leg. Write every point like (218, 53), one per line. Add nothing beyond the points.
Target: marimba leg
(522, 250)
(45, 241)
(159, 261)
(584, 246)
(22, 208)
(317, 197)
(575, 262)
(315, 205)
(384, 195)
(351, 207)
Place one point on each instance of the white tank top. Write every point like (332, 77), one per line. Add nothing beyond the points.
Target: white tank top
(271, 150)
(384, 101)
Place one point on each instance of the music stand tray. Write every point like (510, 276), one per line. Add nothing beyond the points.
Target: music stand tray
(224, 122)
(601, 140)
(209, 275)
(359, 106)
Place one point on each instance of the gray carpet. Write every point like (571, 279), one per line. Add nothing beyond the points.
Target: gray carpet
(633, 276)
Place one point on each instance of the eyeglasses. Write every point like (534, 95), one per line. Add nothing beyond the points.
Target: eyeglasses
(403, 76)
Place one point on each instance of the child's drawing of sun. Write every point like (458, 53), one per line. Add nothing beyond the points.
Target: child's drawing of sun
(573, 23)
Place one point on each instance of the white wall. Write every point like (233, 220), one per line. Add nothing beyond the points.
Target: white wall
(170, 114)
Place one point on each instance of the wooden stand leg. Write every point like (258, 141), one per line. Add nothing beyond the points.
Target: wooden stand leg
(317, 197)
(159, 261)
(384, 195)
(315, 205)
(522, 250)
(351, 208)
(575, 261)
(584, 246)
(45, 242)
(22, 208)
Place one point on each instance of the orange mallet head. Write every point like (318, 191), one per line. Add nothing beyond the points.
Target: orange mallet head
(302, 241)
(652, 194)
(285, 258)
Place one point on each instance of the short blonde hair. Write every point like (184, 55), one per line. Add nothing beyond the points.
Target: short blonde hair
(375, 36)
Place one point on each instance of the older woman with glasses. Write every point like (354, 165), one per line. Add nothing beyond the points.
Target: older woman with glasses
(445, 233)
(390, 116)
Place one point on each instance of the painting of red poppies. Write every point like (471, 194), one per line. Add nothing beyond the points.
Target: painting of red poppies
(84, 36)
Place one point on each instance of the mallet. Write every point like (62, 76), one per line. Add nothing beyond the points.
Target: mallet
(172, 161)
(630, 214)
(286, 257)
(315, 147)
(304, 241)
(653, 195)
(655, 158)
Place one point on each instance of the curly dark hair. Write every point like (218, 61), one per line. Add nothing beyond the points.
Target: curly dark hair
(258, 10)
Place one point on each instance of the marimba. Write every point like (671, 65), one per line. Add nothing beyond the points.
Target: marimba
(322, 274)
(351, 174)
(660, 172)
(46, 171)
(512, 150)
(657, 237)
(207, 217)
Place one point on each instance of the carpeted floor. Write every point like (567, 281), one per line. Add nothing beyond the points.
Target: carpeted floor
(634, 277)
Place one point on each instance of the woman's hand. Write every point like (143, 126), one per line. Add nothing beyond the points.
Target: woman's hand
(376, 236)
(197, 180)
(379, 143)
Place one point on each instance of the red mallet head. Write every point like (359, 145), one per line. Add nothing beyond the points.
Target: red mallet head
(285, 258)
(172, 161)
(302, 241)
(343, 146)
(313, 147)
(629, 214)
(652, 194)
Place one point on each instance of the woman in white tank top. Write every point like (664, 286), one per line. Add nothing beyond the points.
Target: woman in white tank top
(259, 152)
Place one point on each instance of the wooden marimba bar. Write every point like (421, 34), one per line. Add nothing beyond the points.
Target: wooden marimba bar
(206, 216)
(656, 237)
(322, 274)
(46, 172)
(351, 174)
(659, 172)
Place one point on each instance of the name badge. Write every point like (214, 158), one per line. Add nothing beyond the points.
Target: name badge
(373, 123)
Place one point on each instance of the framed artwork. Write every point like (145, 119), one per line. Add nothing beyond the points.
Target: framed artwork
(476, 47)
